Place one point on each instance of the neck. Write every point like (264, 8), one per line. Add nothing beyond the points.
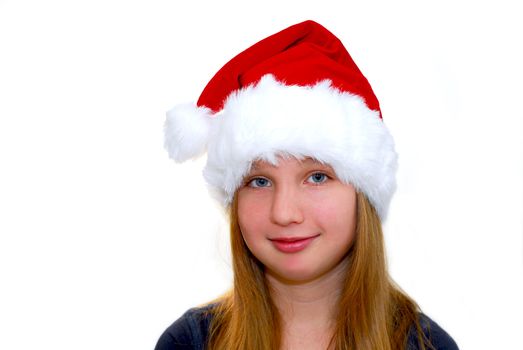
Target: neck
(309, 303)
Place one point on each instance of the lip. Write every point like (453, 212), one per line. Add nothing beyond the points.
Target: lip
(292, 244)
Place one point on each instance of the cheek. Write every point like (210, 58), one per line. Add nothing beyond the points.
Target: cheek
(251, 217)
(337, 211)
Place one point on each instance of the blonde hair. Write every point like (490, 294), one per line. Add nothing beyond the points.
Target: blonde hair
(374, 314)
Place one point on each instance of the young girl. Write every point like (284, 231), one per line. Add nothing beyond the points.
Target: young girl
(299, 155)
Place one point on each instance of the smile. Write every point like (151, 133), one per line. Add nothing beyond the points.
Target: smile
(292, 244)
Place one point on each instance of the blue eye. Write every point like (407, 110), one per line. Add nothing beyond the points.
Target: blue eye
(258, 182)
(318, 178)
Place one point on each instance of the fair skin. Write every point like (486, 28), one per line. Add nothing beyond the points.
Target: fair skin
(299, 220)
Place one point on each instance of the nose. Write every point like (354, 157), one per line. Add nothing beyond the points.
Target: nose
(286, 207)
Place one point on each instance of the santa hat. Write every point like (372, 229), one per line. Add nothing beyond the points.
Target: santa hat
(296, 93)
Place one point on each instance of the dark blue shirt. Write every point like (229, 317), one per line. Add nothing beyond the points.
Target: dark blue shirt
(190, 332)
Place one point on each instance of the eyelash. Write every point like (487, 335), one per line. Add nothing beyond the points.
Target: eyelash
(251, 181)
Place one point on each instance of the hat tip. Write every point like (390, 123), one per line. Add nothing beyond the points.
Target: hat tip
(186, 131)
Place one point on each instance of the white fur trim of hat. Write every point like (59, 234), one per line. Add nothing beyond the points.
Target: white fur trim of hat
(269, 119)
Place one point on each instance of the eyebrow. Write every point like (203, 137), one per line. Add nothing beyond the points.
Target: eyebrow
(305, 162)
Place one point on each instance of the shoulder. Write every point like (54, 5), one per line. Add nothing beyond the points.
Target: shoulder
(438, 337)
(187, 332)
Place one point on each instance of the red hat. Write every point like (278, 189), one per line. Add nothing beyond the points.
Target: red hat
(298, 93)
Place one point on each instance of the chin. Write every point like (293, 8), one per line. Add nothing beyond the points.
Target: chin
(297, 276)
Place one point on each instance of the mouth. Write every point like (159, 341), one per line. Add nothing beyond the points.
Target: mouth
(292, 244)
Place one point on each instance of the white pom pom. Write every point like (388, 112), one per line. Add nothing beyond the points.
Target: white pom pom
(187, 131)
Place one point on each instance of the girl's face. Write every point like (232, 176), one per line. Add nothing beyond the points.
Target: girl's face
(297, 218)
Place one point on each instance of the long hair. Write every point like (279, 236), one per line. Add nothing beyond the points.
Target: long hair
(374, 314)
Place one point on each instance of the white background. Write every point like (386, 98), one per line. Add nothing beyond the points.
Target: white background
(104, 241)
